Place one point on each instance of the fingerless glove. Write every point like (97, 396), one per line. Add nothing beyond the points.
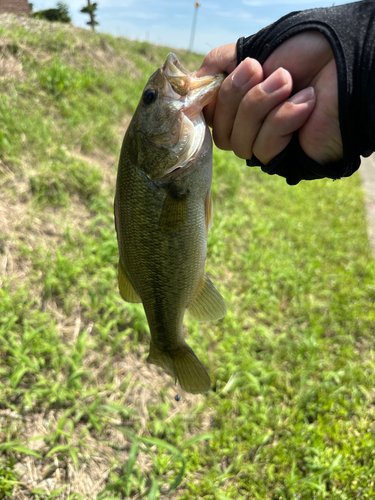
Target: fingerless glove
(350, 31)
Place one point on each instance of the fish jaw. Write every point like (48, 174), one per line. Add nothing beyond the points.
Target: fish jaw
(203, 90)
(191, 93)
(173, 67)
(168, 126)
(194, 92)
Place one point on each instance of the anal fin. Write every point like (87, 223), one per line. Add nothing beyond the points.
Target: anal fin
(127, 291)
(207, 304)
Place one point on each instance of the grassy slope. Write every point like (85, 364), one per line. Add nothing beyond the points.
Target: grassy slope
(292, 364)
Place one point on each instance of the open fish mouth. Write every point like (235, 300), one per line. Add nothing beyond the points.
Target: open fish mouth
(189, 94)
(173, 68)
(196, 92)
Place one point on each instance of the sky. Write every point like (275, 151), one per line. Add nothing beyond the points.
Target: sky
(169, 22)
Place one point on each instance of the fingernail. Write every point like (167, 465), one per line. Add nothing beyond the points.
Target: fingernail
(304, 95)
(243, 73)
(275, 81)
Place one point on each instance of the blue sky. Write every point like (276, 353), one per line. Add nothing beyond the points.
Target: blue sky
(169, 22)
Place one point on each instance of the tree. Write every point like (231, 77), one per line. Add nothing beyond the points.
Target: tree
(90, 9)
(60, 14)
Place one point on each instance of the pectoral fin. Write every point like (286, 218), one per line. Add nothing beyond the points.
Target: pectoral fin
(207, 304)
(127, 291)
(174, 213)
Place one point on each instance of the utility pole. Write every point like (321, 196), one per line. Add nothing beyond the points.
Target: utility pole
(197, 4)
(90, 9)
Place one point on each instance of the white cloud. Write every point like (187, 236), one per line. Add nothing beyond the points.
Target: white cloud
(168, 22)
(211, 5)
(237, 14)
(146, 16)
(300, 3)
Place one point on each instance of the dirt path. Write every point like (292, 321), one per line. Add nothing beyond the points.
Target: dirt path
(367, 174)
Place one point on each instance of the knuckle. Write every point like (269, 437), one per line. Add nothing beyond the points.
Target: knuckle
(220, 139)
(224, 97)
(276, 119)
(210, 57)
(251, 102)
(241, 150)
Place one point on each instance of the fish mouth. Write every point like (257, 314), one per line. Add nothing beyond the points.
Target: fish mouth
(190, 94)
(195, 92)
(173, 67)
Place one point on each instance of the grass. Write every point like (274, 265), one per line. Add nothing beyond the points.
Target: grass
(291, 414)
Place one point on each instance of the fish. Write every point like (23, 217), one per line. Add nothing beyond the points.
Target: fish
(163, 212)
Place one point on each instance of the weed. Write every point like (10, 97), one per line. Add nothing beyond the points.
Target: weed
(8, 478)
(291, 411)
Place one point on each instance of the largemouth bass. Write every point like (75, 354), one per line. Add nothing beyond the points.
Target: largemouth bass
(163, 211)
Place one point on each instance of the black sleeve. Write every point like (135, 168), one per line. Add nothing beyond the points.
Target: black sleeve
(350, 31)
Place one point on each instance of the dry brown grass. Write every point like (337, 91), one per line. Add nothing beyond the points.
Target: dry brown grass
(20, 221)
(99, 456)
(136, 384)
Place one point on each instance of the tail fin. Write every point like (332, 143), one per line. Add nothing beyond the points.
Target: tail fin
(184, 366)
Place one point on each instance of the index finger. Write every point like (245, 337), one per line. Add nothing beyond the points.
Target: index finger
(220, 60)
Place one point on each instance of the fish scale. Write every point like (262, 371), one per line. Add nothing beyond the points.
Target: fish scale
(163, 212)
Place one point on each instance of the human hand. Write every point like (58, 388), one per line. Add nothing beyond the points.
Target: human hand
(254, 113)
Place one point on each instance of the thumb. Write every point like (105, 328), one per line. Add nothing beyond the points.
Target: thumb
(220, 60)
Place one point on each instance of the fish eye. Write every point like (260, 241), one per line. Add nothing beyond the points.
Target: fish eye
(149, 96)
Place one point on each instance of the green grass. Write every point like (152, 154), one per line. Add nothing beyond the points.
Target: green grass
(291, 414)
